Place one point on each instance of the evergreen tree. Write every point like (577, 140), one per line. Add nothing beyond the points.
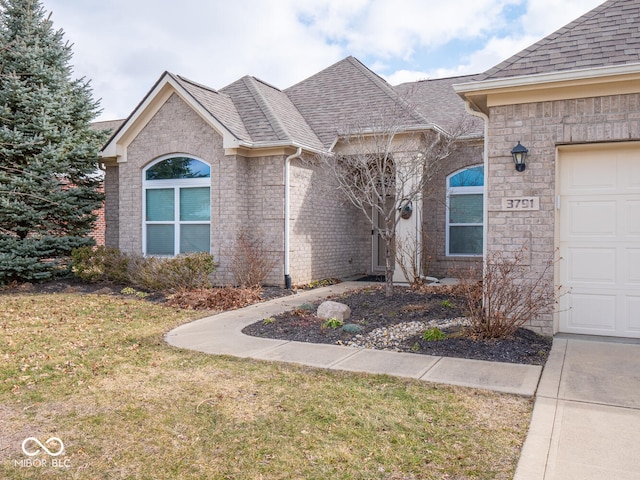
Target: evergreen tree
(48, 150)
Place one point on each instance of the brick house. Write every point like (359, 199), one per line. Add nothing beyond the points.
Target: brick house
(573, 99)
(192, 166)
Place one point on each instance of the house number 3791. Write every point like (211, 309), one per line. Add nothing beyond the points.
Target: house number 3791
(521, 203)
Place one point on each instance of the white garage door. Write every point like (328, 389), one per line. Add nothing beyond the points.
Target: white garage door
(599, 221)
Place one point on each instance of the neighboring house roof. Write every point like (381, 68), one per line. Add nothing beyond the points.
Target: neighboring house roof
(112, 125)
(436, 100)
(608, 35)
(250, 113)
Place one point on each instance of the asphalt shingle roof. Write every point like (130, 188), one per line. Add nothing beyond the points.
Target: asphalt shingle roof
(606, 36)
(348, 95)
(314, 112)
(268, 114)
(219, 105)
(437, 101)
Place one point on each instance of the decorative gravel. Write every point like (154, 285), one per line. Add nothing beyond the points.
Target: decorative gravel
(393, 337)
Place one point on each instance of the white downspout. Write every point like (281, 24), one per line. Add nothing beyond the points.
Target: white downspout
(485, 161)
(287, 208)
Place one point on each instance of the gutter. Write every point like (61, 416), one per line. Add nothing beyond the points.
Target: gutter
(538, 79)
(287, 201)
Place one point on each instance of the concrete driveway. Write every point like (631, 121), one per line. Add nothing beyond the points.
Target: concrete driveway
(586, 419)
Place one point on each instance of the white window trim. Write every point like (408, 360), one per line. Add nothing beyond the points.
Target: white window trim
(176, 185)
(461, 191)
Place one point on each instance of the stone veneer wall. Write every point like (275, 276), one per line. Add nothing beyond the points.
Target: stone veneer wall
(541, 127)
(436, 263)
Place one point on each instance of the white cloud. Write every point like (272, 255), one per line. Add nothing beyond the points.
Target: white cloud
(542, 17)
(545, 16)
(123, 46)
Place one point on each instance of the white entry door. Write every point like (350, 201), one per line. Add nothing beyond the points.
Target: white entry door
(599, 239)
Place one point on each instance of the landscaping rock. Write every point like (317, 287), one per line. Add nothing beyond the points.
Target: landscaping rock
(330, 309)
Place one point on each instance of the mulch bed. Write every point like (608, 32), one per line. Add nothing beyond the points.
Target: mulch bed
(371, 310)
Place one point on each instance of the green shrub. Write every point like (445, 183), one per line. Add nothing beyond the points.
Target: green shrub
(434, 334)
(188, 272)
(351, 328)
(100, 264)
(333, 323)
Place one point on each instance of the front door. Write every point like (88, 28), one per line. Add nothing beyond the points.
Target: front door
(378, 245)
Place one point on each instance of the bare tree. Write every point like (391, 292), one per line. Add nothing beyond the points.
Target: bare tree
(384, 165)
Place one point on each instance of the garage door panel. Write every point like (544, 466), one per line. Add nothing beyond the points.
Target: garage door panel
(633, 314)
(632, 264)
(589, 175)
(631, 175)
(599, 235)
(588, 311)
(632, 218)
(591, 265)
(591, 218)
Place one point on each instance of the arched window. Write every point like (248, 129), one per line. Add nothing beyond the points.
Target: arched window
(176, 206)
(465, 198)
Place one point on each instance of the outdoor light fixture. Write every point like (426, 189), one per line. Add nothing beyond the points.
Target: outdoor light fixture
(405, 209)
(519, 154)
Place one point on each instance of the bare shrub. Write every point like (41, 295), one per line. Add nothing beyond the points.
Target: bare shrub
(407, 253)
(219, 298)
(508, 296)
(251, 260)
(414, 256)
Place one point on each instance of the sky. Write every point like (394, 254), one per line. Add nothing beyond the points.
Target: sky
(124, 46)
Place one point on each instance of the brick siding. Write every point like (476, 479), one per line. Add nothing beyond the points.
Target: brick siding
(436, 263)
(541, 127)
(326, 241)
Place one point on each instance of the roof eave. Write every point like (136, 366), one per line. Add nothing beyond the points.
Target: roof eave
(279, 144)
(114, 148)
(547, 78)
(476, 92)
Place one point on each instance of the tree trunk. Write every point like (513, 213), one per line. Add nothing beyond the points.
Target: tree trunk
(388, 269)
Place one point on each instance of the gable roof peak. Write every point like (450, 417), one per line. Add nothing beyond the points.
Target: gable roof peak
(347, 94)
(194, 83)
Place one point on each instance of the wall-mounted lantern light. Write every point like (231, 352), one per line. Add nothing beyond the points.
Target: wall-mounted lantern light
(405, 209)
(519, 154)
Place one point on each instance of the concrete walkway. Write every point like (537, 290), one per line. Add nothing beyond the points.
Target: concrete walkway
(222, 334)
(586, 418)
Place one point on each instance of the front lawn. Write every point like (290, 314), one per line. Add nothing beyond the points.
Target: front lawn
(94, 371)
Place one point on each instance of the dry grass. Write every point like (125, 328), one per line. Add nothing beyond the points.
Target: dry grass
(94, 371)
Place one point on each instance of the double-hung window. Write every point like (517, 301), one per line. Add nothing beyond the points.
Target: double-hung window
(465, 197)
(177, 206)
